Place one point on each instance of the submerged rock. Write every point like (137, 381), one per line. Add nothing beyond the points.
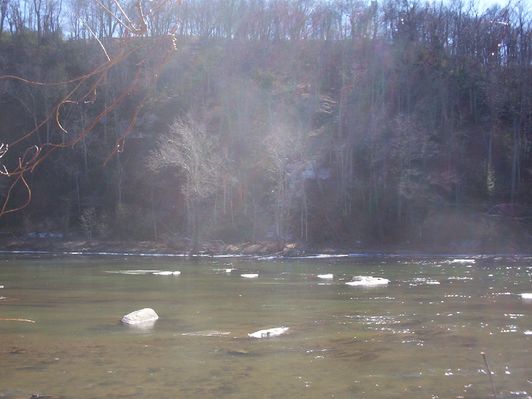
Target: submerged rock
(239, 352)
(140, 317)
(269, 333)
(368, 281)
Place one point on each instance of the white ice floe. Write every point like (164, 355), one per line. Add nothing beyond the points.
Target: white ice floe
(206, 333)
(167, 273)
(272, 257)
(228, 271)
(269, 333)
(249, 275)
(134, 272)
(368, 281)
(140, 317)
(140, 272)
(526, 295)
(322, 256)
(528, 332)
(328, 276)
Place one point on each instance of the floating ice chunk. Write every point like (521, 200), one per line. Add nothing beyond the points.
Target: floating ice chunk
(249, 275)
(228, 271)
(206, 333)
(133, 272)
(269, 333)
(140, 317)
(328, 276)
(323, 256)
(526, 295)
(167, 273)
(1, 286)
(528, 332)
(368, 281)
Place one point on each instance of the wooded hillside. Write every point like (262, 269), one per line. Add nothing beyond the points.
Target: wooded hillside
(341, 123)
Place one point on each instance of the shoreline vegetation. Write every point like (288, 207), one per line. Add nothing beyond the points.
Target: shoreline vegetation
(218, 248)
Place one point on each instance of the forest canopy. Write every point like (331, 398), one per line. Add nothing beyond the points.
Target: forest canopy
(328, 122)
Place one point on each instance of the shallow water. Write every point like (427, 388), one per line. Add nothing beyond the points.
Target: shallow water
(419, 337)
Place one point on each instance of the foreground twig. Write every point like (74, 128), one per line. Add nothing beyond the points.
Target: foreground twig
(493, 391)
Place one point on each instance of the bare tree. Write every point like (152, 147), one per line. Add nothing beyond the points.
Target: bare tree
(3, 14)
(190, 149)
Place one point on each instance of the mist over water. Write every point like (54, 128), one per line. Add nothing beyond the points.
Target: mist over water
(419, 336)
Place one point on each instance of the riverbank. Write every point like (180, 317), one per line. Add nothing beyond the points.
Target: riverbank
(262, 248)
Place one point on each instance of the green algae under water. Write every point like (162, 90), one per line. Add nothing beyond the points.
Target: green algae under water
(419, 337)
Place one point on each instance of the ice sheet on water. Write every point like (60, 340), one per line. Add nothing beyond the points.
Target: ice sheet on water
(206, 333)
(140, 272)
(323, 256)
(271, 257)
(133, 272)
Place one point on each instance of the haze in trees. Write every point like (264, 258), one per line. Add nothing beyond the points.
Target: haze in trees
(344, 122)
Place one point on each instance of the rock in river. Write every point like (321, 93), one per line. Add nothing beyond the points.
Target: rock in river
(269, 333)
(142, 316)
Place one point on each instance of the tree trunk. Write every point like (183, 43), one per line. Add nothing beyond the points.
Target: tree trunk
(195, 228)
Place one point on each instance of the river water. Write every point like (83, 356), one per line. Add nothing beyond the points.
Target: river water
(421, 336)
